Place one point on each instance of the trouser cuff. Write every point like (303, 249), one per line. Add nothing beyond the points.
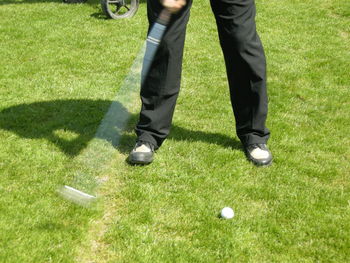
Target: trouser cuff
(144, 137)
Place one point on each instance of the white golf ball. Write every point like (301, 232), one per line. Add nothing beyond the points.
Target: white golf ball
(227, 213)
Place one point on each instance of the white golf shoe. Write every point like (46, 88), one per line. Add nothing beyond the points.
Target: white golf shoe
(142, 153)
(259, 154)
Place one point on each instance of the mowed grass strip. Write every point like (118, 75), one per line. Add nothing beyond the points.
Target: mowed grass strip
(297, 210)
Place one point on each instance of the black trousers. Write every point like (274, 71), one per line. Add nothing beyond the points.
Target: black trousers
(245, 66)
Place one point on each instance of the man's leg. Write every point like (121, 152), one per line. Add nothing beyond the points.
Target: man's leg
(161, 88)
(246, 68)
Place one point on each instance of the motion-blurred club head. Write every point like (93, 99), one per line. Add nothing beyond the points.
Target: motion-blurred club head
(76, 196)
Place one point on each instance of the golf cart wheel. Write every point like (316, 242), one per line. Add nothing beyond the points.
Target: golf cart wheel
(117, 9)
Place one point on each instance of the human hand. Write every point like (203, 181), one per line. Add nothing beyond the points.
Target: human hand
(173, 6)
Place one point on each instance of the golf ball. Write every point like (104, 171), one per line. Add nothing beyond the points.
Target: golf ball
(227, 213)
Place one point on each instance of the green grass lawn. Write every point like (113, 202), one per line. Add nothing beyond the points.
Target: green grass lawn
(60, 68)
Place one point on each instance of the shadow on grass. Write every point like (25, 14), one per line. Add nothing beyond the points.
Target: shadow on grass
(71, 124)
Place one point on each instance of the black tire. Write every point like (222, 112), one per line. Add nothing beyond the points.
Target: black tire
(118, 9)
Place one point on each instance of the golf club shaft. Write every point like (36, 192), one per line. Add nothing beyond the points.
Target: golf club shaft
(153, 40)
(100, 149)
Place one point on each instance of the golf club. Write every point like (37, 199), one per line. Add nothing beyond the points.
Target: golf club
(102, 147)
(153, 40)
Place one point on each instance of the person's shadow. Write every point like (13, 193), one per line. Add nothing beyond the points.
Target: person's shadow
(71, 124)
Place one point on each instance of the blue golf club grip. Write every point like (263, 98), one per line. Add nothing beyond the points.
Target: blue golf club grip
(153, 39)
